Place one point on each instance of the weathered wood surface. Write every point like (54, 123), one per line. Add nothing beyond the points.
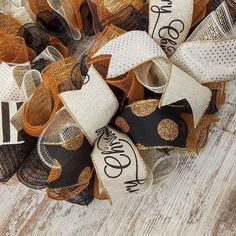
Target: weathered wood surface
(199, 198)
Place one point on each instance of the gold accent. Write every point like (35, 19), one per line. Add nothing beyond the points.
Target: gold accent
(197, 137)
(98, 190)
(220, 87)
(85, 176)
(140, 146)
(75, 143)
(144, 108)
(168, 130)
(55, 172)
(122, 124)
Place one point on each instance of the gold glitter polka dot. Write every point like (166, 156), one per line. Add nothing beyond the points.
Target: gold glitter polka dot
(75, 143)
(122, 124)
(144, 108)
(168, 129)
(140, 146)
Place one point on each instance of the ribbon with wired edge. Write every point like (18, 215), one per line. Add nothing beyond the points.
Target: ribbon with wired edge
(112, 151)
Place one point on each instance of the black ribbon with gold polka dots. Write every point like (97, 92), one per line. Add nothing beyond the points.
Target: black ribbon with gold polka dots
(151, 127)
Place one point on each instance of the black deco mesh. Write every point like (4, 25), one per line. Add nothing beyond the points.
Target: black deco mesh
(12, 156)
(33, 172)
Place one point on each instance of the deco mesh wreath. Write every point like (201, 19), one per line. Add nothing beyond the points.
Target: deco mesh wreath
(106, 124)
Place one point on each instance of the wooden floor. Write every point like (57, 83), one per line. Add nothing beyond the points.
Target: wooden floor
(199, 198)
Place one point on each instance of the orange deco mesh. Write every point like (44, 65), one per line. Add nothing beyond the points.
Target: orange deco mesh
(197, 137)
(199, 11)
(128, 83)
(45, 101)
(37, 6)
(109, 33)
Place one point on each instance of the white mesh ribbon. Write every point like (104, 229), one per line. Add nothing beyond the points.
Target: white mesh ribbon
(170, 22)
(16, 9)
(50, 54)
(93, 106)
(119, 166)
(216, 26)
(18, 72)
(31, 80)
(136, 49)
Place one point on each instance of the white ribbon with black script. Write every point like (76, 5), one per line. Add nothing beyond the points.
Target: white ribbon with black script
(118, 164)
(170, 22)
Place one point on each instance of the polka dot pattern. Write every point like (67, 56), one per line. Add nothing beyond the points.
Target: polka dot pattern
(9, 90)
(130, 50)
(207, 61)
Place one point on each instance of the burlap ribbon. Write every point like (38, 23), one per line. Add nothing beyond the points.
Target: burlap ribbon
(112, 150)
(169, 24)
(172, 79)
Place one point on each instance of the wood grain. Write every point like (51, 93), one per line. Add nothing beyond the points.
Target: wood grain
(198, 198)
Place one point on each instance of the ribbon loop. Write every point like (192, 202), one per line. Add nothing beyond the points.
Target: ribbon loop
(119, 165)
(90, 107)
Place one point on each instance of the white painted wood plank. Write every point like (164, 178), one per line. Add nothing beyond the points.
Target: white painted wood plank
(199, 198)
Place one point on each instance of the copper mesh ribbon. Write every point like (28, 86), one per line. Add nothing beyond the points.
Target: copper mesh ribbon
(12, 49)
(45, 101)
(125, 14)
(39, 6)
(107, 8)
(126, 86)
(199, 11)
(9, 24)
